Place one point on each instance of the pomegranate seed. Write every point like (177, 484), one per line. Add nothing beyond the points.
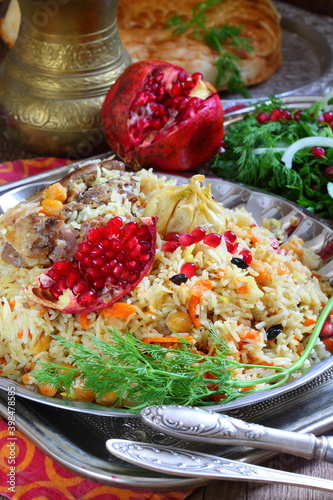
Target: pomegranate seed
(197, 76)
(98, 284)
(53, 274)
(54, 292)
(189, 269)
(275, 115)
(170, 246)
(114, 224)
(133, 277)
(314, 187)
(62, 266)
(318, 152)
(86, 298)
(60, 285)
(262, 117)
(328, 116)
(80, 287)
(286, 115)
(327, 329)
(230, 236)
(121, 255)
(115, 245)
(85, 247)
(247, 256)
(186, 240)
(321, 119)
(212, 240)
(97, 251)
(117, 270)
(172, 237)
(176, 89)
(92, 273)
(145, 257)
(198, 234)
(329, 171)
(129, 229)
(94, 235)
(99, 262)
(297, 114)
(131, 265)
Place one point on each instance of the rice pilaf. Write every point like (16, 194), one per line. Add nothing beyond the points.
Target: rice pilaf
(279, 287)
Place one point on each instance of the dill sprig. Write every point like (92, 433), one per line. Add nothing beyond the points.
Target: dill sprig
(143, 374)
(216, 37)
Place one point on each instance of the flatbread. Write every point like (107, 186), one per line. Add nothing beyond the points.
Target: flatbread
(142, 31)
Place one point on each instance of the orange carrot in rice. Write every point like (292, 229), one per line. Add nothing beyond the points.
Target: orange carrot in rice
(309, 322)
(47, 390)
(83, 320)
(118, 310)
(198, 290)
(242, 289)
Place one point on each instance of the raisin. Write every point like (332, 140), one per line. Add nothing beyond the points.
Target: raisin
(178, 279)
(274, 331)
(239, 262)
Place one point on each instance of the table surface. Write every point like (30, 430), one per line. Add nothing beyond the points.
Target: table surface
(237, 490)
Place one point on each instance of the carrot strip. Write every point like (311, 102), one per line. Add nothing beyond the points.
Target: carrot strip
(242, 289)
(83, 320)
(309, 322)
(198, 290)
(118, 310)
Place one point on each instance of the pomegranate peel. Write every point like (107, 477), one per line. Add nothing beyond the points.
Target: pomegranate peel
(156, 115)
(108, 263)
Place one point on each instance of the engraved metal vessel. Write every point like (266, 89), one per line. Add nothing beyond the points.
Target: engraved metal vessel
(55, 78)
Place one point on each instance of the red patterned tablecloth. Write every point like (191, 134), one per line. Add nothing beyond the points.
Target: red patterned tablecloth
(35, 476)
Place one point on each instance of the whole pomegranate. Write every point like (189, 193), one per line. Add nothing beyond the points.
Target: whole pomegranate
(108, 263)
(156, 115)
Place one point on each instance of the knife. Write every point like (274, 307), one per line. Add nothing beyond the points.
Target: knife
(181, 462)
(195, 424)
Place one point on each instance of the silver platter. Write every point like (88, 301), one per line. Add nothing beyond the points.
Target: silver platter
(74, 434)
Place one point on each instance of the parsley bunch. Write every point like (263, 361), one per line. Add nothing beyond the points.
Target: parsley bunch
(216, 37)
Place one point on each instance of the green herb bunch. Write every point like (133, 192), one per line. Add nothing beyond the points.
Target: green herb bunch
(143, 374)
(217, 37)
(253, 153)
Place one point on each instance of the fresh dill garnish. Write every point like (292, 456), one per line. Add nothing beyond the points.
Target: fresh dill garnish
(218, 38)
(143, 374)
(253, 153)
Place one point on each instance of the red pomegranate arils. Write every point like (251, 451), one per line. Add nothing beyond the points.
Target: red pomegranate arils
(189, 269)
(99, 273)
(212, 240)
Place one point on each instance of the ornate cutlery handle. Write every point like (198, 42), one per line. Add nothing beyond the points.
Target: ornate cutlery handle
(195, 424)
(180, 462)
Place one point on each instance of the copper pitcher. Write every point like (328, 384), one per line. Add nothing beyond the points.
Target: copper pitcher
(54, 80)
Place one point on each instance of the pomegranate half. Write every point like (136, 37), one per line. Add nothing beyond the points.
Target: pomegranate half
(156, 115)
(108, 263)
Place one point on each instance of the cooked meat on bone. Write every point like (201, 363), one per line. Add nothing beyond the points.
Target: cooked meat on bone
(29, 238)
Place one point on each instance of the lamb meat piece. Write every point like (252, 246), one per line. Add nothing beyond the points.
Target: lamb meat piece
(30, 238)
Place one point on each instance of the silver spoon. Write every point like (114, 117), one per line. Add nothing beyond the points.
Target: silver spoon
(180, 462)
(195, 424)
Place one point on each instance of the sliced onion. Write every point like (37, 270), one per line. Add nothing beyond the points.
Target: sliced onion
(306, 142)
